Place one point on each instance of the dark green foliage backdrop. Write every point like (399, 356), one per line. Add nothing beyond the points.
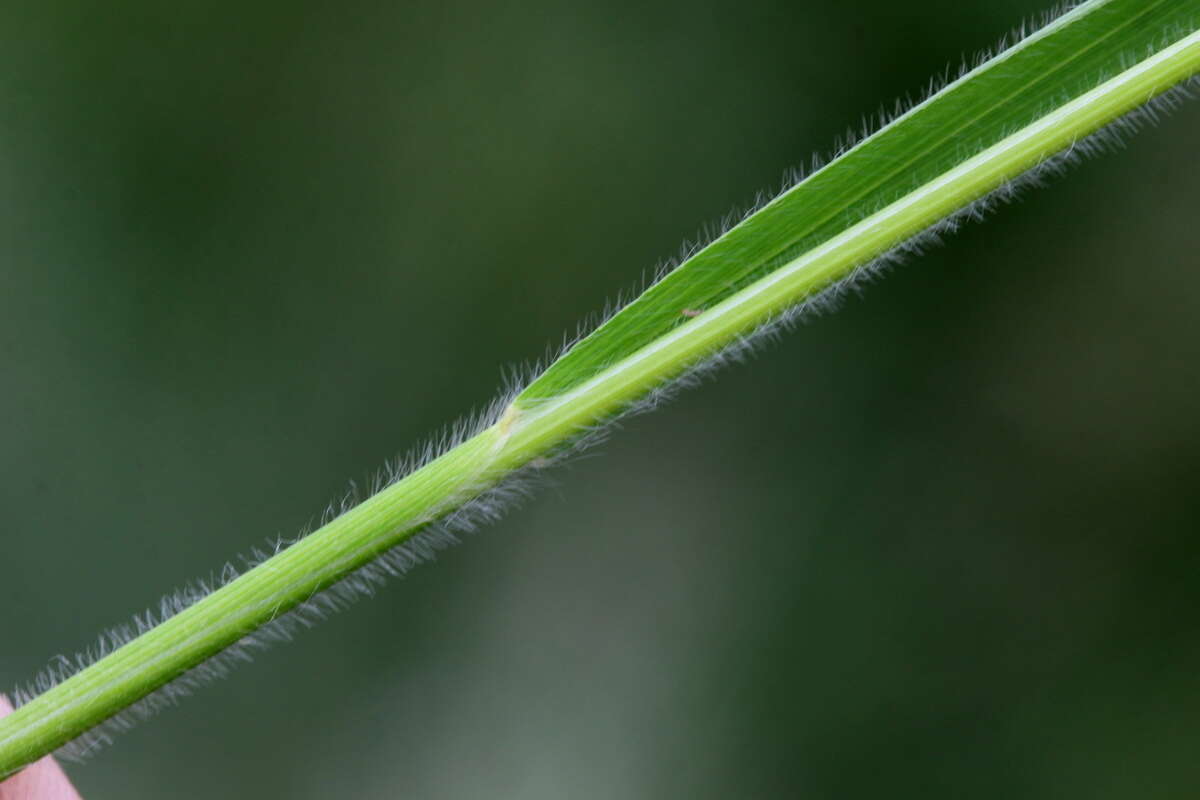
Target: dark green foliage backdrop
(944, 543)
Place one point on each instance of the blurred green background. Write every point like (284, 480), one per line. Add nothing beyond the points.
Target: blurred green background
(943, 543)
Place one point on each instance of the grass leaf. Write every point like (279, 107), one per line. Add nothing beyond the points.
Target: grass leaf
(1062, 92)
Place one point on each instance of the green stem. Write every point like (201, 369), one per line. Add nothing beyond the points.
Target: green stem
(529, 430)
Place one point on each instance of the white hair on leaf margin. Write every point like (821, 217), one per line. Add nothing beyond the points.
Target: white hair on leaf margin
(492, 502)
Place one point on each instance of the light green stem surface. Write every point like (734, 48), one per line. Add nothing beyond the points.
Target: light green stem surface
(533, 427)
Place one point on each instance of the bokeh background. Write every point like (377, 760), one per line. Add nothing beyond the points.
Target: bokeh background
(944, 543)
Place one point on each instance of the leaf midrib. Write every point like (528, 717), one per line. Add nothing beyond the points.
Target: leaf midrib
(963, 126)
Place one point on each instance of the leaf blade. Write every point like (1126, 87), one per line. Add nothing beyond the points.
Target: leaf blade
(1079, 51)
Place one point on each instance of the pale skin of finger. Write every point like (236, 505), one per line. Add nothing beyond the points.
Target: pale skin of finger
(43, 780)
